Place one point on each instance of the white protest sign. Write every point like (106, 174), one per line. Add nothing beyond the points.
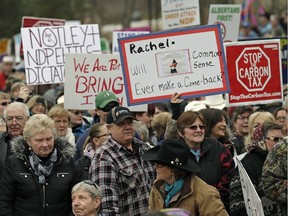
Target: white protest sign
(190, 61)
(178, 14)
(45, 49)
(253, 203)
(89, 74)
(121, 34)
(228, 16)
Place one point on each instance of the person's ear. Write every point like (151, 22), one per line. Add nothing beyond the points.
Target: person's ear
(97, 202)
(180, 134)
(95, 141)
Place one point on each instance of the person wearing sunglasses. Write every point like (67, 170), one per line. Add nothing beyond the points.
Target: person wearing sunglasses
(86, 199)
(104, 101)
(177, 184)
(39, 175)
(77, 123)
(97, 136)
(215, 160)
(15, 116)
(274, 175)
(263, 139)
(5, 99)
(119, 169)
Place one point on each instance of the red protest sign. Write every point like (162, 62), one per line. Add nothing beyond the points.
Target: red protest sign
(254, 72)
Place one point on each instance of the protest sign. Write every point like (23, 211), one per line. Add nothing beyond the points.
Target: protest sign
(228, 16)
(178, 14)
(45, 49)
(89, 74)
(28, 22)
(121, 34)
(254, 72)
(190, 61)
(252, 201)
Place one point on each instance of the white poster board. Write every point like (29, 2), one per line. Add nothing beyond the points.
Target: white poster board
(89, 74)
(121, 34)
(228, 16)
(45, 49)
(190, 61)
(253, 203)
(178, 14)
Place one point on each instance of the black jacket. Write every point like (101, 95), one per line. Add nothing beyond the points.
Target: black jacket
(5, 150)
(21, 194)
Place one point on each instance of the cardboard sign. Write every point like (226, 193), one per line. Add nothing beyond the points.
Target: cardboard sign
(45, 49)
(190, 61)
(178, 14)
(28, 22)
(89, 74)
(254, 72)
(253, 202)
(121, 34)
(228, 16)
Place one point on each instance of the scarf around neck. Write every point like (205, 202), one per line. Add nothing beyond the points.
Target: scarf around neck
(172, 190)
(42, 169)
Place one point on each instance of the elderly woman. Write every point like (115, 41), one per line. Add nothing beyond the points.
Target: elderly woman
(61, 118)
(39, 176)
(86, 199)
(215, 161)
(176, 185)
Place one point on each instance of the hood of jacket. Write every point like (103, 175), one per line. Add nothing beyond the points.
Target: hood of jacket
(19, 146)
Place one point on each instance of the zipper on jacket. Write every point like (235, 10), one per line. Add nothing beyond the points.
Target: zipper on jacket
(44, 196)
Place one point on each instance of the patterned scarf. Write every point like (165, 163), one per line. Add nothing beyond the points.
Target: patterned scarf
(257, 139)
(172, 190)
(42, 169)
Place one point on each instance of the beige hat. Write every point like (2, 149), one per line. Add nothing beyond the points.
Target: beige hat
(215, 101)
(195, 106)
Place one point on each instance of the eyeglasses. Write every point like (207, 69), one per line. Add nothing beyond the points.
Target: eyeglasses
(275, 139)
(18, 119)
(5, 103)
(242, 118)
(194, 127)
(281, 118)
(89, 182)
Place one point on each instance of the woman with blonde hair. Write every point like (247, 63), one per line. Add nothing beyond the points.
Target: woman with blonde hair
(97, 136)
(256, 119)
(61, 118)
(37, 105)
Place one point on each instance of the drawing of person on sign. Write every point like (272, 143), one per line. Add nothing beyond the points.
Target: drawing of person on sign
(173, 66)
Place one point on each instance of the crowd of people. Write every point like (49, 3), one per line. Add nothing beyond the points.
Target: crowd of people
(176, 156)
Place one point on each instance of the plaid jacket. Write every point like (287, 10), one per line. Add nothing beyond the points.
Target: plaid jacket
(125, 179)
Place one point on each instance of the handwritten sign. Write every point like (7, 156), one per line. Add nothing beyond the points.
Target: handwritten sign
(180, 13)
(45, 49)
(121, 34)
(254, 72)
(228, 16)
(190, 61)
(253, 202)
(89, 74)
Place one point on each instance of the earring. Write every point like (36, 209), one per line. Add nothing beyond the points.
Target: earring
(30, 149)
(173, 178)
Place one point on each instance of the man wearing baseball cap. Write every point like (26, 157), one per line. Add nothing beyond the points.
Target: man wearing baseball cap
(104, 101)
(118, 167)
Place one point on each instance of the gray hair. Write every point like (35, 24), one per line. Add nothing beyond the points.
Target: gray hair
(17, 105)
(90, 187)
(142, 129)
(36, 124)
